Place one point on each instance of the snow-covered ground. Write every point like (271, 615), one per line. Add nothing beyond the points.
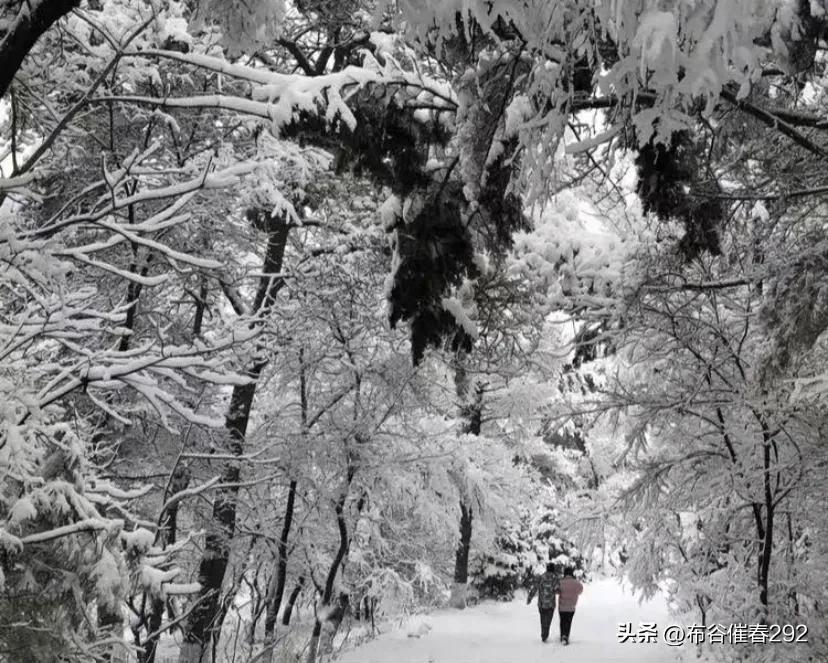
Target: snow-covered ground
(510, 633)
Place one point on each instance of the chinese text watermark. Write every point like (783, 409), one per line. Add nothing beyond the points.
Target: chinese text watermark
(733, 634)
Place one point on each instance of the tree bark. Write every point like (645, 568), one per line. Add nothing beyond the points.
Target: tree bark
(201, 307)
(202, 626)
(471, 416)
(111, 624)
(331, 578)
(334, 618)
(461, 558)
(330, 626)
(792, 594)
(33, 19)
(766, 548)
(167, 536)
(277, 589)
(294, 596)
(155, 620)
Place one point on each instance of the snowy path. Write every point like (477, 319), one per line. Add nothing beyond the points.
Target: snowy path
(510, 633)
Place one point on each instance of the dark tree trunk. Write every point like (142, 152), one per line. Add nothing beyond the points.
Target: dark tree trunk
(461, 557)
(766, 548)
(277, 589)
(700, 601)
(180, 481)
(111, 624)
(334, 619)
(471, 416)
(372, 608)
(765, 559)
(327, 593)
(133, 293)
(167, 536)
(32, 21)
(203, 622)
(472, 412)
(324, 633)
(294, 596)
(201, 307)
(764, 525)
(791, 561)
(155, 619)
(473, 419)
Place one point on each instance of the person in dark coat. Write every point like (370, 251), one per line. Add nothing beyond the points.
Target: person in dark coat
(546, 588)
(569, 591)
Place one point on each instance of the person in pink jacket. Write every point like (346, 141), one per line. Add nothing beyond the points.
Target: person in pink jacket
(569, 592)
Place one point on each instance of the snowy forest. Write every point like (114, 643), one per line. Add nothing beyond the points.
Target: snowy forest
(315, 314)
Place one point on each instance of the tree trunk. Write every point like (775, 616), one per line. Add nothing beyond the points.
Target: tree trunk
(276, 590)
(334, 618)
(167, 533)
(327, 594)
(765, 559)
(766, 548)
(471, 416)
(203, 623)
(32, 21)
(111, 625)
(764, 526)
(461, 559)
(155, 620)
(794, 598)
(313, 645)
(330, 626)
(294, 596)
(201, 307)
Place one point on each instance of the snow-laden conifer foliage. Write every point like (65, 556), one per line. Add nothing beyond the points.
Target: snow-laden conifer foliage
(317, 312)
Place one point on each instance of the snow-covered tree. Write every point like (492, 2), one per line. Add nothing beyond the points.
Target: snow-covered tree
(209, 211)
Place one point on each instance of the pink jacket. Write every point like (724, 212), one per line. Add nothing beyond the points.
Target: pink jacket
(570, 591)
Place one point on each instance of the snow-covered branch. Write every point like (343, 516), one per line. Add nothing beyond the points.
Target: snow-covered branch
(88, 525)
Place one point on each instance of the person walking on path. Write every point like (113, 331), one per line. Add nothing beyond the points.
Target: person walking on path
(570, 590)
(547, 586)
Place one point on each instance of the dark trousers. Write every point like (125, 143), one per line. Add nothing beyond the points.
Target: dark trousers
(566, 623)
(546, 621)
